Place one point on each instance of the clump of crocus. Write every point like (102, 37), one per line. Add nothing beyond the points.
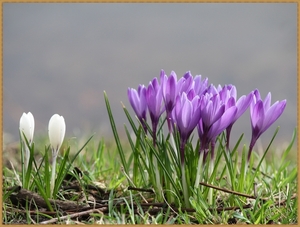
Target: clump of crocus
(263, 115)
(56, 131)
(189, 102)
(26, 128)
(137, 99)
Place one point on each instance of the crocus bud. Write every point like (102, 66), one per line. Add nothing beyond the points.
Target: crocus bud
(56, 131)
(27, 127)
(137, 99)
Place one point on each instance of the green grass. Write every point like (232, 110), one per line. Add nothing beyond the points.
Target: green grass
(101, 166)
(132, 181)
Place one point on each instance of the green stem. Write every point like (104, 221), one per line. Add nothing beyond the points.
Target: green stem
(27, 156)
(157, 176)
(245, 172)
(176, 153)
(145, 170)
(173, 144)
(199, 168)
(184, 187)
(52, 182)
(210, 195)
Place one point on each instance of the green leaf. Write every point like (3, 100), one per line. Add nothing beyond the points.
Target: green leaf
(115, 133)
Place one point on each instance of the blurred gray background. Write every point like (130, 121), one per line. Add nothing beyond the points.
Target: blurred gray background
(59, 58)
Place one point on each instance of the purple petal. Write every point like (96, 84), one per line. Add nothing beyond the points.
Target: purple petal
(187, 109)
(267, 101)
(257, 118)
(133, 99)
(200, 86)
(242, 104)
(273, 113)
(223, 122)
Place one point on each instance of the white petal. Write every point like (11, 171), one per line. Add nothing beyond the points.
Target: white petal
(27, 126)
(56, 131)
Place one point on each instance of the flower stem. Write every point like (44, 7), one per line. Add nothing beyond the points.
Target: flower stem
(183, 178)
(174, 175)
(199, 174)
(157, 178)
(52, 182)
(146, 172)
(184, 187)
(211, 168)
(27, 157)
(173, 144)
(249, 152)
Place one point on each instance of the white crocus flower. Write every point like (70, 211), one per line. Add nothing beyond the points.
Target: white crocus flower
(26, 128)
(56, 131)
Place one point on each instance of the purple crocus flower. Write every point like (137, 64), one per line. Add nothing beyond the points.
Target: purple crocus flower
(200, 86)
(185, 83)
(215, 118)
(137, 99)
(169, 92)
(263, 115)
(187, 115)
(154, 100)
(211, 89)
(228, 95)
